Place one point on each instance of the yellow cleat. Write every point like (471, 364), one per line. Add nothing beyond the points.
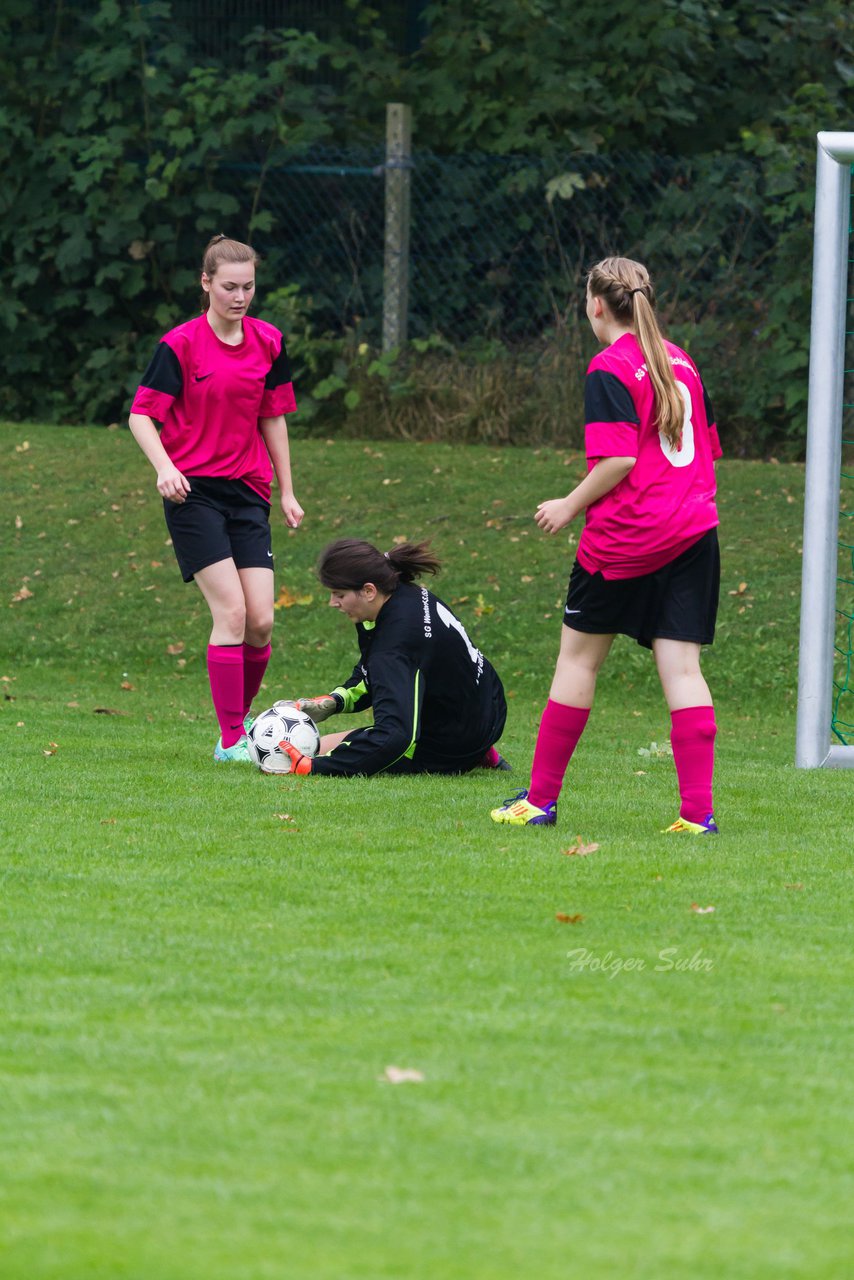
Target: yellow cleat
(683, 827)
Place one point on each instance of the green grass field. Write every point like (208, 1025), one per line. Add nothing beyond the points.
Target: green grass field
(206, 972)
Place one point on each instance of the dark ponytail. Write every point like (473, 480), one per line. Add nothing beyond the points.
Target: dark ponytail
(346, 565)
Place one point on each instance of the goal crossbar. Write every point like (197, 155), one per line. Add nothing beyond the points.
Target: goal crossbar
(824, 456)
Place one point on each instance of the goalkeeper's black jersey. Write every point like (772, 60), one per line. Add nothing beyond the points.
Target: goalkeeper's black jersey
(436, 700)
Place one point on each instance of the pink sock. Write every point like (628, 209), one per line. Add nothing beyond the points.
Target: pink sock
(560, 729)
(254, 665)
(692, 737)
(490, 760)
(225, 671)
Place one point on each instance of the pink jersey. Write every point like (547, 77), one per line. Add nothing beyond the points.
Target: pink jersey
(667, 501)
(210, 397)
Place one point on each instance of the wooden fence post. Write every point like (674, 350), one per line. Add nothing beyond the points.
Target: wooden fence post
(398, 168)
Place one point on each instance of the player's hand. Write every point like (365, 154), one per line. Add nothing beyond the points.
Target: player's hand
(299, 763)
(554, 515)
(320, 707)
(171, 484)
(292, 511)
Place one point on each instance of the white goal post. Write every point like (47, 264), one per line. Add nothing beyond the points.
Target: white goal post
(831, 253)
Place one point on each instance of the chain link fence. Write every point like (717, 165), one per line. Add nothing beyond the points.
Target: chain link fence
(498, 246)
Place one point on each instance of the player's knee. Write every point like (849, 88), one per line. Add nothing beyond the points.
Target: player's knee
(259, 628)
(231, 617)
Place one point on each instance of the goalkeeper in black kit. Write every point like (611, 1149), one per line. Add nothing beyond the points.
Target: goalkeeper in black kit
(438, 704)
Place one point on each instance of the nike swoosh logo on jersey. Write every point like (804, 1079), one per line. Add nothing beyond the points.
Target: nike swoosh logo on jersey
(200, 377)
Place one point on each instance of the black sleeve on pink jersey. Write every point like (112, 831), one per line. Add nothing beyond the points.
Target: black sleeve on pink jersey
(280, 370)
(710, 413)
(606, 399)
(164, 372)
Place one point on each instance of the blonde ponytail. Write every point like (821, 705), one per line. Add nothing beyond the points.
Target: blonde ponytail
(627, 290)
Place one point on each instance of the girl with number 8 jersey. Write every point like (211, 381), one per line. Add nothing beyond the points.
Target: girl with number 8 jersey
(648, 564)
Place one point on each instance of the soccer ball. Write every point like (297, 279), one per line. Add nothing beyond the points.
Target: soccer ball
(282, 722)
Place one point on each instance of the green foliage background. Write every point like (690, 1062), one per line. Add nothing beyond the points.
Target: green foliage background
(121, 132)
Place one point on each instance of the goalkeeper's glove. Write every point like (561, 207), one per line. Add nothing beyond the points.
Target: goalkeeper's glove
(321, 706)
(299, 763)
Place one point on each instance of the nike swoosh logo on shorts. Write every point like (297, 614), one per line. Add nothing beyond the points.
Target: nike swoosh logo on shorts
(270, 554)
(200, 377)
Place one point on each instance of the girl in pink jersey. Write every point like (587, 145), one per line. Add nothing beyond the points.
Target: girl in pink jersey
(218, 388)
(648, 564)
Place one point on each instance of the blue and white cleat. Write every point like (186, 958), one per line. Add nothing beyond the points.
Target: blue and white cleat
(238, 754)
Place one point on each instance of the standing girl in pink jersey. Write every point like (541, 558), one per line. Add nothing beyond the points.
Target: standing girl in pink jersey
(648, 564)
(219, 387)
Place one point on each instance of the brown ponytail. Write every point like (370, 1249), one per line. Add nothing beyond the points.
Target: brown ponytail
(346, 565)
(626, 288)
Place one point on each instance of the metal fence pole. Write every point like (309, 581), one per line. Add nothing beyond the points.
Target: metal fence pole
(398, 168)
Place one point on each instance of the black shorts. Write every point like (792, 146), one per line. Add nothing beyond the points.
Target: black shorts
(219, 520)
(677, 602)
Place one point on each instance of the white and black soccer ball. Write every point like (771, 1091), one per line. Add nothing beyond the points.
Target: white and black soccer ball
(283, 722)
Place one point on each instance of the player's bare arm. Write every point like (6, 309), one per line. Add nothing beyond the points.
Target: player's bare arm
(171, 484)
(275, 434)
(556, 513)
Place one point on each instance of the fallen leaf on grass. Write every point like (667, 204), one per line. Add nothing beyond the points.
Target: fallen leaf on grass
(563, 918)
(23, 594)
(174, 649)
(401, 1075)
(283, 817)
(51, 749)
(19, 524)
(107, 711)
(108, 822)
(796, 885)
(126, 685)
(287, 599)
(700, 911)
(580, 849)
